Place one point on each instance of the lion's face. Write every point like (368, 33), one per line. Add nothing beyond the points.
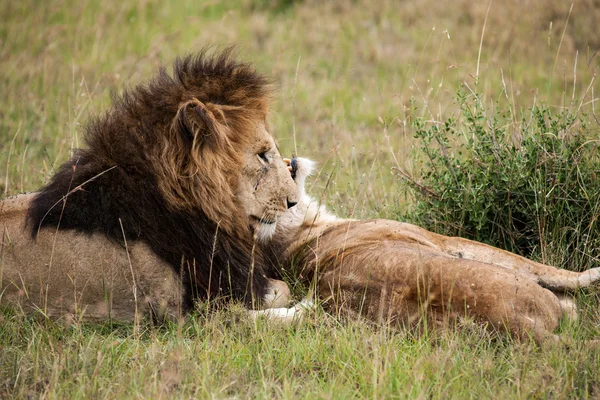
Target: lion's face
(266, 189)
(230, 167)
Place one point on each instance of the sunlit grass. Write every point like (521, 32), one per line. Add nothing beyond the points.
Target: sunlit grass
(224, 355)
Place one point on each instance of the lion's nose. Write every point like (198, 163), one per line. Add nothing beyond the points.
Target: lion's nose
(290, 204)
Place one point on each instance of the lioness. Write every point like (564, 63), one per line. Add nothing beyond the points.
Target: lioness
(155, 212)
(394, 271)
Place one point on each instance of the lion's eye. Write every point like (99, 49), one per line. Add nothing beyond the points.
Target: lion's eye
(263, 157)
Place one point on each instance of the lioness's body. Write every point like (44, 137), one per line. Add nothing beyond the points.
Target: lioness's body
(70, 273)
(389, 270)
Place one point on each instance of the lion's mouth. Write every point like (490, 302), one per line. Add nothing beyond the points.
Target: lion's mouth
(264, 228)
(264, 220)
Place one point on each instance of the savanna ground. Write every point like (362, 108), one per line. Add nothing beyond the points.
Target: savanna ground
(353, 78)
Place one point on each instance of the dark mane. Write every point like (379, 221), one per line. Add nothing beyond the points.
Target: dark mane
(113, 186)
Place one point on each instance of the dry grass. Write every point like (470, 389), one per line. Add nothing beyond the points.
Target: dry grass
(346, 83)
(352, 76)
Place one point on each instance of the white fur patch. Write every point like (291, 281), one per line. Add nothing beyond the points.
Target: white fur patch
(285, 315)
(304, 169)
(307, 209)
(264, 232)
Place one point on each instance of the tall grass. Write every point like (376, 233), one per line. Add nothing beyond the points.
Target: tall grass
(355, 79)
(224, 355)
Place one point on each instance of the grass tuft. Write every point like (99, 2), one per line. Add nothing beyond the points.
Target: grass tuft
(525, 183)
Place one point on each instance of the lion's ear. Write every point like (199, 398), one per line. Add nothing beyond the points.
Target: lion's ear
(196, 120)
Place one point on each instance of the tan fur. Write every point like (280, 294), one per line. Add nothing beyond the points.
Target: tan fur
(394, 271)
(67, 273)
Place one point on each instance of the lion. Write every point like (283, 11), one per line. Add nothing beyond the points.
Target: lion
(161, 208)
(392, 271)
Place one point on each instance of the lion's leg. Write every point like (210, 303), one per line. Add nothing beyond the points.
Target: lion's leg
(553, 278)
(278, 295)
(284, 315)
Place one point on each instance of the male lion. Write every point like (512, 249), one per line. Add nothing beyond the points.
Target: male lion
(161, 208)
(394, 271)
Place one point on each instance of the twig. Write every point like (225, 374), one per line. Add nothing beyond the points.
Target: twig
(422, 188)
(79, 187)
(294, 107)
(481, 42)
(135, 297)
(558, 50)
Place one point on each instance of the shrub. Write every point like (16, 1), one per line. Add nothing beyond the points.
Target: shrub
(529, 186)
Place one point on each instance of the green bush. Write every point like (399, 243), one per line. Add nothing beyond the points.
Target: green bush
(528, 185)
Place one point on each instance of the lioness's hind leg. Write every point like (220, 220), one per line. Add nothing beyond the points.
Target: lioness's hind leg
(568, 307)
(555, 279)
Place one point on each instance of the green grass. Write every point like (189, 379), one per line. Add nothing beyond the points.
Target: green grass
(353, 77)
(224, 355)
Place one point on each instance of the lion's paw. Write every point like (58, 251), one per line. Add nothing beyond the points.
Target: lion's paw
(285, 315)
(278, 294)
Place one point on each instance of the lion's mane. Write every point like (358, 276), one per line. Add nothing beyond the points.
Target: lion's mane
(142, 178)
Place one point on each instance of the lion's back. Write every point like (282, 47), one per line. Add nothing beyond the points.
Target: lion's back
(15, 206)
(66, 272)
